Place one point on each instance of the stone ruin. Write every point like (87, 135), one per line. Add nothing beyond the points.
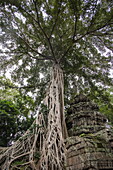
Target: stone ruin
(90, 142)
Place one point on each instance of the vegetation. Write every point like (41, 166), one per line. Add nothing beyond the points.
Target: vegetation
(70, 36)
(107, 106)
(74, 33)
(15, 117)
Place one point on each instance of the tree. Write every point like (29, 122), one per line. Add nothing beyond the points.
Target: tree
(15, 117)
(68, 35)
(74, 34)
(8, 117)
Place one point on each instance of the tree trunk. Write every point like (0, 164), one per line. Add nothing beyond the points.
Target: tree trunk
(42, 146)
(53, 151)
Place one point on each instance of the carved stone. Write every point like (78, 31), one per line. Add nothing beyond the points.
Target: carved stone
(90, 142)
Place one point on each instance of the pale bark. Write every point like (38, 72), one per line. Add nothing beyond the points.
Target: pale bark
(53, 152)
(46, 139)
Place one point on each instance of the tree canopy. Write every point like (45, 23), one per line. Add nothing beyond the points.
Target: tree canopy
(76, 34)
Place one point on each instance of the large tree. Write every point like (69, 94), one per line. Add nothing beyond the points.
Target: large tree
(67, 35)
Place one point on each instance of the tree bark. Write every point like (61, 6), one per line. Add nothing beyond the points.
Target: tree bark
(42, 147)
(53, 151)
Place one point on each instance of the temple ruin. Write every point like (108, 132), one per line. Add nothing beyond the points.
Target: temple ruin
(90, 142)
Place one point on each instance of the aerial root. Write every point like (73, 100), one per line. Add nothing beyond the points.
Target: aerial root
(42, 146)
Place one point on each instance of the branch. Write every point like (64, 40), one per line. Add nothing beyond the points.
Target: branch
(24, 39)
(51, 48)
(22, 87)
(60, 36)
(6, 52)
(32, 47)
(76, 14)
(65, 53)
(101, 34)
(75, 27)
(39, 21)
(45, 58)
(54, 24)
(25, 87)
(73, 42)
(106, 24)
(26, 52)
(87, 33)
(111, 49)
(24, 154)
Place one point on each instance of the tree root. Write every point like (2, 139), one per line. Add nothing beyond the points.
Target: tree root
(42, 147)
(23, 151)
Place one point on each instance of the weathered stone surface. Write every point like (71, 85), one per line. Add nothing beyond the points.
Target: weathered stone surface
(90, 142)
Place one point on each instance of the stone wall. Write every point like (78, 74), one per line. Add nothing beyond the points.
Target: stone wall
(90, 143)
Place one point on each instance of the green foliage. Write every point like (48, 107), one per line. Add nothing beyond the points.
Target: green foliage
(18, 162)
(107, 106)
(15, 117)
(82, 135)
(44, 108)
(37, 155)
(12, 123)
(8, 122)
(75, 34)
(45, 111)
(34, 128)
